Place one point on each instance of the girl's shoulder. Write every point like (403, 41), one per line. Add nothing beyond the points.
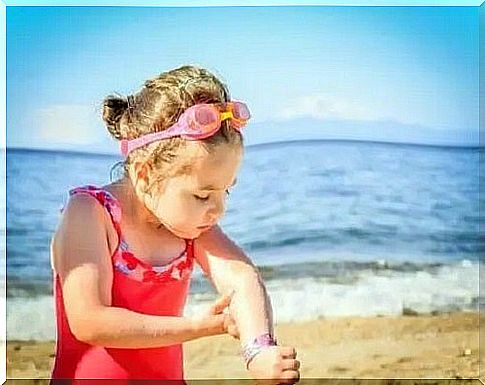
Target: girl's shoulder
(84, 219)
(102, 195)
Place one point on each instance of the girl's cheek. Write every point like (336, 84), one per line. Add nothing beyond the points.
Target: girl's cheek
(197, 210)
(182, 208)
(193, 207)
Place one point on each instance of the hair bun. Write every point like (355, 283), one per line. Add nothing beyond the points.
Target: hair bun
(113, 109)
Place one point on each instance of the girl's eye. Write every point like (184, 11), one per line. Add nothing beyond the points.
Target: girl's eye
(198, 197)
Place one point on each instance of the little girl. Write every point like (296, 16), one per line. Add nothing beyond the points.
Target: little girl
(123, 254)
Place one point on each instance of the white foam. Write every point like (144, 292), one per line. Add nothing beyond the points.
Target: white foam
(450, 288)
(30, 318)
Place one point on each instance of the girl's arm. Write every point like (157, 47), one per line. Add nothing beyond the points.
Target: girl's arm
(228, 268)
(81, 257)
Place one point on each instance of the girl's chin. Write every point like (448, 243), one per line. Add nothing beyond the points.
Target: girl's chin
(186, 234)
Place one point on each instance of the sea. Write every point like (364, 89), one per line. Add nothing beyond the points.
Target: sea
(337, 228)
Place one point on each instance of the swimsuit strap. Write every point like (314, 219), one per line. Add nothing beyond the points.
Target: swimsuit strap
(106, 199)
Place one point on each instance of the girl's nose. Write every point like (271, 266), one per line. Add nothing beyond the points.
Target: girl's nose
(216, 210)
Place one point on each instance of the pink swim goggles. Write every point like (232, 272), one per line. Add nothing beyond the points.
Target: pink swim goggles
(197, 122)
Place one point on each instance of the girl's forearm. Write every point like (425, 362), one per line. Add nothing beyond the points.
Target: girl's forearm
(251, 308)
(116, 327)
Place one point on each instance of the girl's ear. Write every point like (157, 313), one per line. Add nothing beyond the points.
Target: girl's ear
(142, 174)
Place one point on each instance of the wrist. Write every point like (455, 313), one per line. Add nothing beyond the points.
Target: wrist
(204, 327)
(252, 348)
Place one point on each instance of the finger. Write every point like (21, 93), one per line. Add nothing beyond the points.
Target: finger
(288, 352)
(231, 326)
(289, 364)
(290, 376)
(221, 304)
(233, 331)
(234, 335)
(229, 321)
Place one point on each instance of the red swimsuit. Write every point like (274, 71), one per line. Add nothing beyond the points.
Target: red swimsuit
(137, 286)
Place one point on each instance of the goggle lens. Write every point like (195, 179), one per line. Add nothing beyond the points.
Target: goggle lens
(204, 120)
(241, 111)
(205, 116)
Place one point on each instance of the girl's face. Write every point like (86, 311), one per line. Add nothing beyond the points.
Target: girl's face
(190, 204)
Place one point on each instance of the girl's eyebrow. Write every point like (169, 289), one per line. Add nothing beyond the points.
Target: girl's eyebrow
(211, 187)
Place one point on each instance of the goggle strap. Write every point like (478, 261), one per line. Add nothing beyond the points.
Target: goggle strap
(226, 115)
(129, 145)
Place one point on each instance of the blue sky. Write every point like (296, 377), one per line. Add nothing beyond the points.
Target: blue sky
(372, 73)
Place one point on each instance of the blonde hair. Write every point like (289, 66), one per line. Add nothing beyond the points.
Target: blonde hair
(157, 106)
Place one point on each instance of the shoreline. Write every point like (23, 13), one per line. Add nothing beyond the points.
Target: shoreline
(408, 346)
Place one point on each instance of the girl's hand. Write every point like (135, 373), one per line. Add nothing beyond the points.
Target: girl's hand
(215, 321)
(275, 365)
(229, 324)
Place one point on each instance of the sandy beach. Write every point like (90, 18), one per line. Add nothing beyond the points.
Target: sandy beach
(421, 346)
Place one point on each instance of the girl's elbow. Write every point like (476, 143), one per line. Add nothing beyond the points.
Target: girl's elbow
(86, 330)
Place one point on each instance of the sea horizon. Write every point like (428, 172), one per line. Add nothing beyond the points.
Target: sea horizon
(260, 145)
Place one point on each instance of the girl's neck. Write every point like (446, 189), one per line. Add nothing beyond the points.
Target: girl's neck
(134, 209)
